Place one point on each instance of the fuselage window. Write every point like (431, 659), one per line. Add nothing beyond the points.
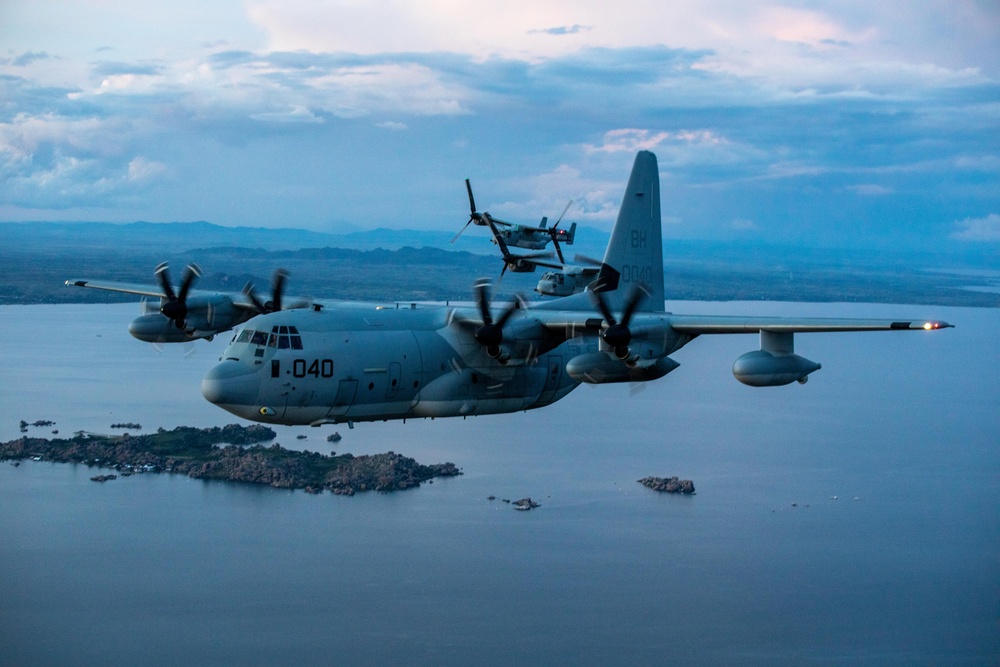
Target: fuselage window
(296, 342)
(282, 341)
(244, 336)
(259, 338)
(273, 341)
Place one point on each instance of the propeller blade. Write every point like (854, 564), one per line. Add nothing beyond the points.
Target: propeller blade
(597, 298)
(257, 303)
(634, 298)
(618, 335)
(561, 215)
(490, 333)
(482, 297)
(472, 200)
(583, 259)
(191, 272)
(162, 273)
(175, 309)
(496, 235)
(555, 242)
(278, 288)
(463, 230)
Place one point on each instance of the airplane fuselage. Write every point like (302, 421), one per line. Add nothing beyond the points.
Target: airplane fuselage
(362, 363)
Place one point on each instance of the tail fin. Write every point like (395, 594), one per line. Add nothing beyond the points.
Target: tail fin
(635, 252)
(570, 235)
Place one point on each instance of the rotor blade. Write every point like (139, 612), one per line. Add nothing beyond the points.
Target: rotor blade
(163, 274)
(496, 236)
(568, 204)
(583, 259)
(555, 242)
(462, 230)
(472, 201)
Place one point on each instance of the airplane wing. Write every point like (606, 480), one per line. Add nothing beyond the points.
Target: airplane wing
(714, 324)
(238, 299)
(153, 291)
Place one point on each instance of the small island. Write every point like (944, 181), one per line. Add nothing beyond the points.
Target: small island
(668, 484)
(231, 453)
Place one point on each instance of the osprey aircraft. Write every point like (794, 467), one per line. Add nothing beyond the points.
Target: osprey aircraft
(352, 362)
(521, 236)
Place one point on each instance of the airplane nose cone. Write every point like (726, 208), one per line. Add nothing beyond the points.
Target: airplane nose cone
(231, 383)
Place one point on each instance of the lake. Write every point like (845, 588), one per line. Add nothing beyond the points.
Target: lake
(761, 567)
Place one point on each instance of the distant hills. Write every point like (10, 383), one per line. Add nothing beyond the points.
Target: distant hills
(36, 259)
(191, 235)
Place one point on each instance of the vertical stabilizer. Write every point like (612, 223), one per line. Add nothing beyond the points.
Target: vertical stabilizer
(635, 252)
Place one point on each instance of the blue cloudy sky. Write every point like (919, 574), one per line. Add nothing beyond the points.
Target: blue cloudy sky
(839, 123)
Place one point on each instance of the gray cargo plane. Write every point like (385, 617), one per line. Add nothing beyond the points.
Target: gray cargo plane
(350, 362)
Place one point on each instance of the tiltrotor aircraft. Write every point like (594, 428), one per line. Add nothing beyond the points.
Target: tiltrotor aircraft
(352, 362)
(570, 279)
(521, 236)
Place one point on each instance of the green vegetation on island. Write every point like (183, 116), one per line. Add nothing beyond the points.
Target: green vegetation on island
(231, 453)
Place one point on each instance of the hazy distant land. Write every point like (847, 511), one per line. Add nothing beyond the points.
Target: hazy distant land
(400, 265)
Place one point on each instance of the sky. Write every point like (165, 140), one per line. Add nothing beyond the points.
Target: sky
(822, 124)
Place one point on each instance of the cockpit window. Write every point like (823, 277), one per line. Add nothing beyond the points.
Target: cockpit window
(281, 337)
(287, 337)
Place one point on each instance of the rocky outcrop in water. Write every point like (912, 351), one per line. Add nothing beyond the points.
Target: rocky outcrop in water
(195, 452)
(668, 484)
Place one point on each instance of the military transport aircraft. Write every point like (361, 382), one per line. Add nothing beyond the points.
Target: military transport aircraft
(183, 316)
(350, 362)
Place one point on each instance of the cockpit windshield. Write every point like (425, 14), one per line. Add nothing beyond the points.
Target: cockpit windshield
(281, 337)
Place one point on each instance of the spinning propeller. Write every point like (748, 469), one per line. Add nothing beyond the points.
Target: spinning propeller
(475, 216)
(175, 309)
(618, 335)
(490, 333)
(277, 289)
(554, 232)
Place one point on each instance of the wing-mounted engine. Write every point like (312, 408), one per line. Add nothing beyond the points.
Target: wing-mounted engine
(775, 363)
(627, 352)
(512, 338)
(205, 316)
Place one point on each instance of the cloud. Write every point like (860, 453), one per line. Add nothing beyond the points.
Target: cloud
(743, 224)
(979, 230)
(27, 58)
(561, 30)
(392, 125)
(870, 189)
(297, 114)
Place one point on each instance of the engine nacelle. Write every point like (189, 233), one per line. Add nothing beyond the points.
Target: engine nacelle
(603, 368)
(761, 368)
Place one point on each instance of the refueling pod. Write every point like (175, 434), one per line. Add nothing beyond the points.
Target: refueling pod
(774, 364)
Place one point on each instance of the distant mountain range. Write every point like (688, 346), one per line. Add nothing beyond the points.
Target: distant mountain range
(36, 258)
(180, 236)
